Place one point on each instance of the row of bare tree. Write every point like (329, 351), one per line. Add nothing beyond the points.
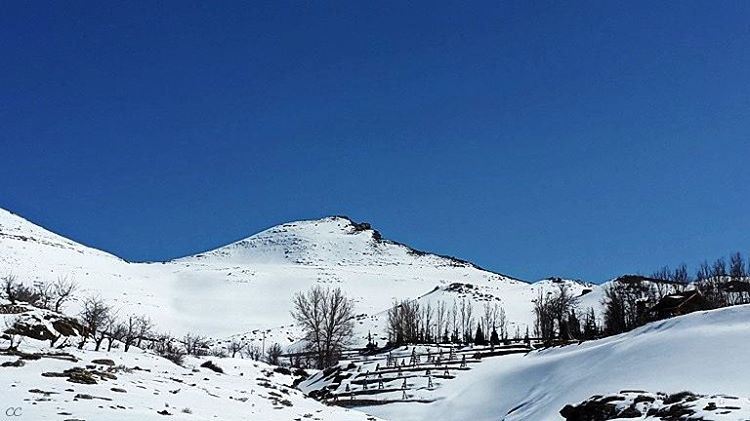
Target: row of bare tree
(555, 316)
(410, 322)
(101, 323)
(51, 296)
(105, 328)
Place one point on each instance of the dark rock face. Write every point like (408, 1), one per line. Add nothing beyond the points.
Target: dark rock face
(33, 331)
(68, 327)
(34, 324)
(637, 404)
(592, 410)
(361, 226)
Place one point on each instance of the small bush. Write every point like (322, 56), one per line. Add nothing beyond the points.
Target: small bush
(165, 347)
(274, 354)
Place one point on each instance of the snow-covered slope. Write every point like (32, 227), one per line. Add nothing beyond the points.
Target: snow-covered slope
(704, 353)
(145, 387)
(246, 287)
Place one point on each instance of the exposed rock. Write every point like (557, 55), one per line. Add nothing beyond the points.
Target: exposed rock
(17, 363)
(211, 366)
(67, 327)
(31, 330)
(42, 392)
(35, 323)
(638, 404)
(90, 397)
(82, 375)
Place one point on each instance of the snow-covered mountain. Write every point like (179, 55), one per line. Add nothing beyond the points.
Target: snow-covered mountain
(247, 286)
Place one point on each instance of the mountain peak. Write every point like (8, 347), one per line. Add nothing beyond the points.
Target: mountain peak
(331, 240)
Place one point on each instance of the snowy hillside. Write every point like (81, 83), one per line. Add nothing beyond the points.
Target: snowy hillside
(246, 287)
(703, 353)
(65, 382)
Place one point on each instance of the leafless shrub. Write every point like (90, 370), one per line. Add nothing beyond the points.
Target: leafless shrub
(273, 354)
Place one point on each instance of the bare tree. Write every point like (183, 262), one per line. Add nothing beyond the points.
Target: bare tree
(553, 310)
(544, 322)
(719, 268)
(489, 316)
(115, 331)
(501, 323)
(131, 331)
(45, 295)
(467, 320)
(440, 320)
(196, 345)
(15, 291)
(253, 352)
(144, 329)
(427, 314)
(63, 290)
(327, 320)
(663, 274)
(736, 266)
(704, 272)
(403, 322)
(681, 277)
(9, 288)
(235, 347)
(95, 315)
(273, 354)
(454, 322)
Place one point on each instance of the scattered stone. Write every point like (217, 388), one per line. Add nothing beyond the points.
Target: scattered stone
(104, 361)
(118, 390)
(81, 375)
(42, 392)
(86, 396)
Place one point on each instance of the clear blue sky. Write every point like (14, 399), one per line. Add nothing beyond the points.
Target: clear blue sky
(534, 139)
